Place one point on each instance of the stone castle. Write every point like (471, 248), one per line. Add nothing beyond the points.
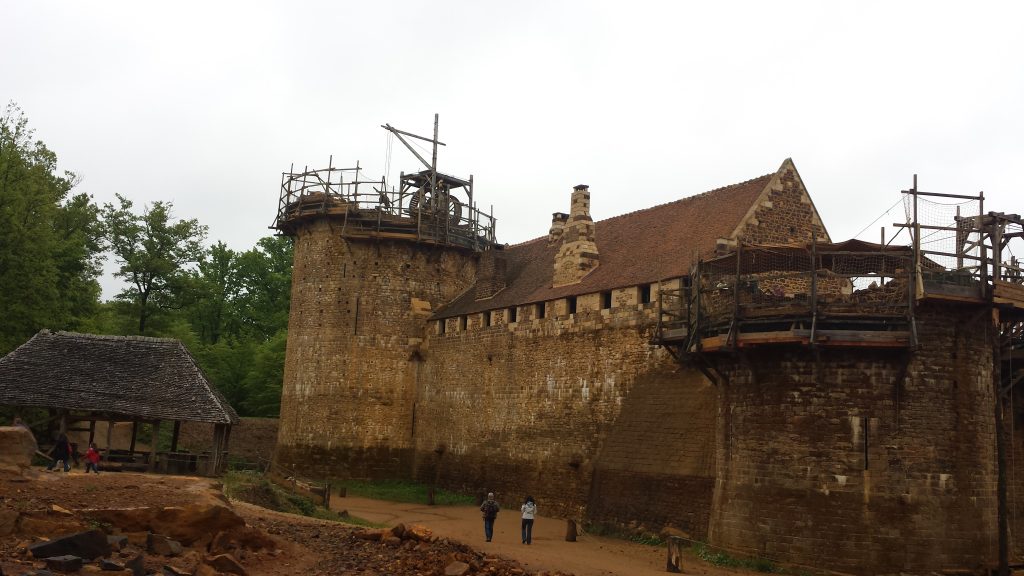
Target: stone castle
(421, 348)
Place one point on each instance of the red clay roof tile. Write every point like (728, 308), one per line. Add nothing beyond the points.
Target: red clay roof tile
(639, 247)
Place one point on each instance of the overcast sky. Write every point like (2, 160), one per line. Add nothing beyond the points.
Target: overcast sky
(205, 103)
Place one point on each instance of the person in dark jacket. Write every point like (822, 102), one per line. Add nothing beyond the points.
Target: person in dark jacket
(61, 453)
(529, 509)
(490, 511)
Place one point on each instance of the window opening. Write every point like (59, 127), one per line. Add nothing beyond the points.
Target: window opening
(645, 294)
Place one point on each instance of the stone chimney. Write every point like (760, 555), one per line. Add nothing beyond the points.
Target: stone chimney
(558, 220)
(491, 277)
(577, 255)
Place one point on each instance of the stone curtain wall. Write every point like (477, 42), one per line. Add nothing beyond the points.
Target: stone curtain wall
(657, 465)
(252, 439)
(835, 463)
(357, 321)
(579, 411)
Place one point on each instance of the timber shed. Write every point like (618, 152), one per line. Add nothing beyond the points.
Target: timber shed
(86, 378)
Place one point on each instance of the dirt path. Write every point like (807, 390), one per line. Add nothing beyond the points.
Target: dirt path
(589, 556)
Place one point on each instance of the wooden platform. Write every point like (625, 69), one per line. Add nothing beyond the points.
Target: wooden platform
(1007, 294)
(827, 338)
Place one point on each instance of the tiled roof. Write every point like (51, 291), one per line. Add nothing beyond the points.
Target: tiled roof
(127, 375)
(640, 247)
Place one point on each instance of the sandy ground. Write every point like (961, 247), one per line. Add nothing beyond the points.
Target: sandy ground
(589, 556)
(315, 547)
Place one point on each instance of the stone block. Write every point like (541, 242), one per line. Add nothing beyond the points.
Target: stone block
(159, 544)
(89, 545)
(17, 447)
(117, 541)
(66, 563)
(137, 565)
(111, 566)
(456, 568)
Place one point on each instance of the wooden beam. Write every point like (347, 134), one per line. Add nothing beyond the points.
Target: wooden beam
(951, 298)
(135, 435)
(227, 444)
(92, 431)
(215, 455)
(174, 435)
(154, 444)
(1007, 290)
(110, 434)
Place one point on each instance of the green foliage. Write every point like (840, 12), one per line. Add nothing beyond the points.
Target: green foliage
(254, 488)
(153, 253)
(230, 308)
(240, 314)
(264, 275)
(720, 558)
(401, 491)
(49, 240)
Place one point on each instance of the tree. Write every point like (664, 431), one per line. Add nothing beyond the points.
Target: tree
(153, 253)
(215, 287)
(49, 243)
(265, 279)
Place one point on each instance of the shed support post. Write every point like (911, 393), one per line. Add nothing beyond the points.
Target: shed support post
(175, 435)
(154, 445)
(135, 435)
(224, 449)
(92, 430)
(110, 434)
(216, 450)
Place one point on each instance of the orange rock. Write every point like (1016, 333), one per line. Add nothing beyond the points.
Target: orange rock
(44, 524)
(197, 522)
(417, 532)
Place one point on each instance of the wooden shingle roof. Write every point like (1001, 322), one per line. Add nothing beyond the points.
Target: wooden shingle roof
(640, 247)
(151, 378)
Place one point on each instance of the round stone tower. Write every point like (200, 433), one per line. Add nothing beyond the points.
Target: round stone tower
(370, 267)
(856, 422)
(869, 461)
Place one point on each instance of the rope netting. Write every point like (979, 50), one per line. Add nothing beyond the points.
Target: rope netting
(960, 237)
(768, 282)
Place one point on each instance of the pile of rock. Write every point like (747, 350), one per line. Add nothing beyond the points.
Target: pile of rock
(199, 540)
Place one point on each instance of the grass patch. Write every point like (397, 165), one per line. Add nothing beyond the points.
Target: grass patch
(608, 531)
(253, 488)
(401, 491)
(720, 558)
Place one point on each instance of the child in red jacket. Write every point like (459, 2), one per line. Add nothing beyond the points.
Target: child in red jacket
(92, 459)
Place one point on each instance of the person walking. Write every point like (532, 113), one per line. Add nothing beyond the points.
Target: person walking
(490, 511)
(529, 509)
(61, 453)
(92, 459)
